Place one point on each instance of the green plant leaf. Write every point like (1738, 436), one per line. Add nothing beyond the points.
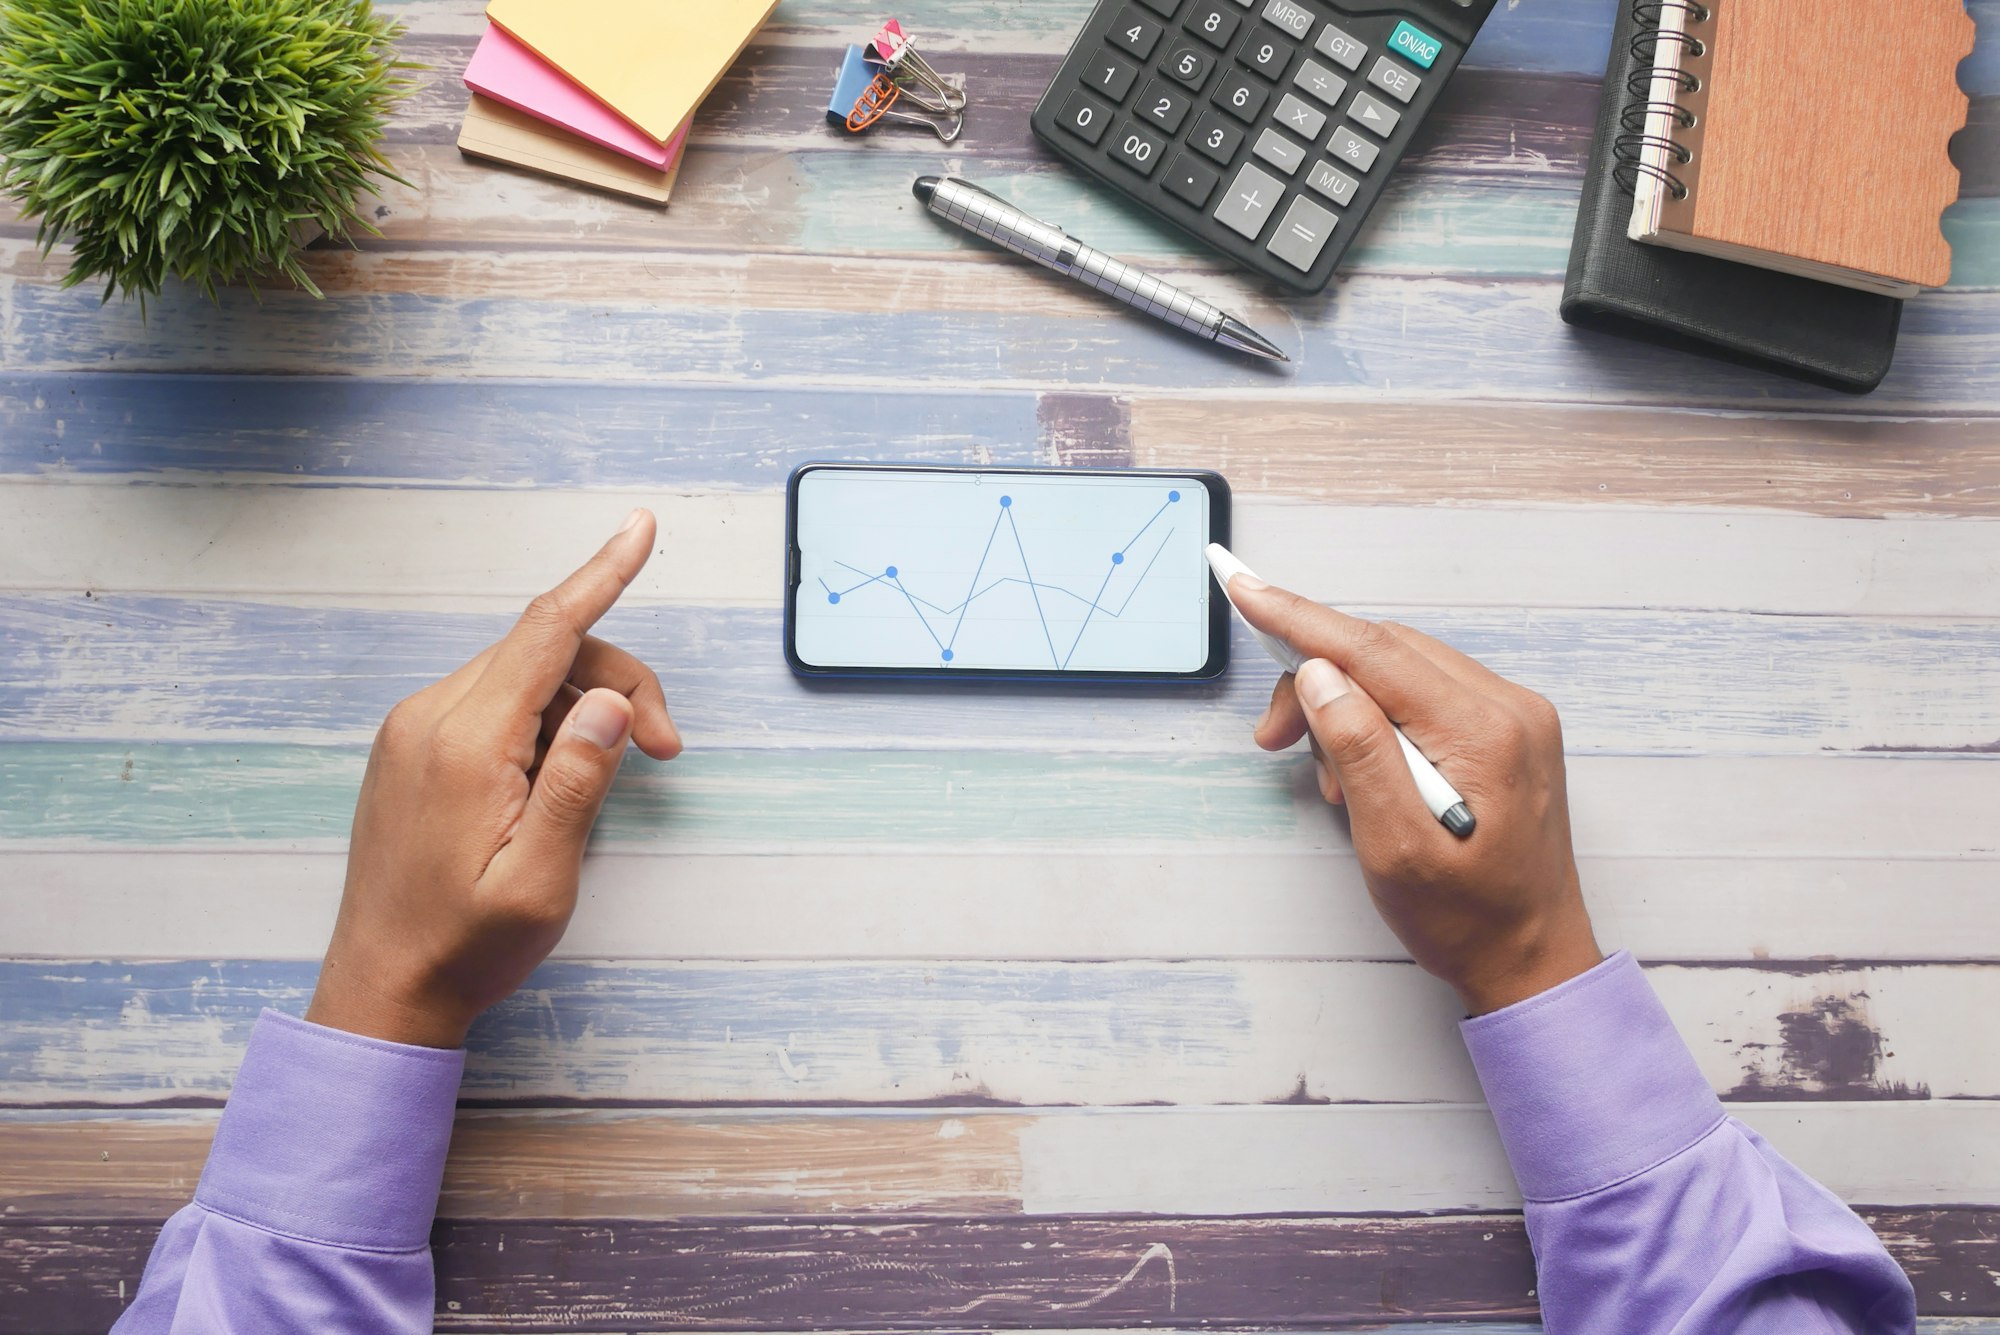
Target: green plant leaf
(181, 139)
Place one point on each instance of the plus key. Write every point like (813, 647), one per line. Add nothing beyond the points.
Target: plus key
(1246, 206)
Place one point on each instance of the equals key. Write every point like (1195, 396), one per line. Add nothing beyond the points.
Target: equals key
(1303, 234)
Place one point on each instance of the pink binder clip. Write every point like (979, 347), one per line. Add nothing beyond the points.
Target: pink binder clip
(890, 44)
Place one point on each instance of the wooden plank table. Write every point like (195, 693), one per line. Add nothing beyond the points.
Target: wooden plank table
(930, 1008)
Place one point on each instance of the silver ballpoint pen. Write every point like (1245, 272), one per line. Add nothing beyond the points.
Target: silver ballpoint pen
(984, 213)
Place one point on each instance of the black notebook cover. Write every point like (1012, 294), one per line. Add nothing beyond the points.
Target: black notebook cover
(1795, 326)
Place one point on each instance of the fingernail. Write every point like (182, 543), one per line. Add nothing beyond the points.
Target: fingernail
(631, 522)
(1319, 772)
(599, 720)
(1247, 582)
(1320, 683)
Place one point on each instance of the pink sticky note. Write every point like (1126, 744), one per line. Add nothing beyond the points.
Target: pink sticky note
(505, 70)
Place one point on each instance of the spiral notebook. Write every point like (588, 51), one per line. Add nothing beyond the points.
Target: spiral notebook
(1780, 322)
(1796, 135)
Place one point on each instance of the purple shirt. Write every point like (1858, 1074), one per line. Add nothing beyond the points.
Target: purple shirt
(1650, 1210)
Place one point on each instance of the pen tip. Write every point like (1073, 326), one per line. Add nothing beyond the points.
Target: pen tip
(1235, 334)
(1458, 819)
(924, 187)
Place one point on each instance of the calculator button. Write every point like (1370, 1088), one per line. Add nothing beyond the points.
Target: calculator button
(1215, 138)
(1332, 182)
(1111, 76)
(1321, 82)
(1393, 79)
(1212, 23)
(1338, 47)
(1164, 8)
(1249, 201)
(1134, 32)
(1188, 66)
(1238, 95)
(1415, 45)
(1301, 117)
(1279, 151)
(1302, 235)
(1163, 105)
(1265, 52)
(1352, 149)
(1371, 111)
(1294, 19)
(1137, 149)
(1189, 181)
(1084, 118)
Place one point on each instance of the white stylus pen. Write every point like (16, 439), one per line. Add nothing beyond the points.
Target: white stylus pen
(1437, 792)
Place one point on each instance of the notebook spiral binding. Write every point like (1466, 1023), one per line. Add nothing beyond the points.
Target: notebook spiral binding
(1644, 117)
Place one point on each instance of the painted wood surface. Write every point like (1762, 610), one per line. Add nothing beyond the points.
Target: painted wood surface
(995, 1273)
(212, 538)
(1847, 683)
(1289, 1159)
(1243, 899)
(855, 1033)
(971, 1034)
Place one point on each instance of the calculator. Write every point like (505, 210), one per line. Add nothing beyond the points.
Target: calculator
(1265, 128)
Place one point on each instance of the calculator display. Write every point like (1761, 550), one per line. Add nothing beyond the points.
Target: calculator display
(1265, 128)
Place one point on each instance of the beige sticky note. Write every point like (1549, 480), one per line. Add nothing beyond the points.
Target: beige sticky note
(518, 139)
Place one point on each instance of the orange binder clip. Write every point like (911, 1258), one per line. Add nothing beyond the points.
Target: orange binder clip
(874, 102)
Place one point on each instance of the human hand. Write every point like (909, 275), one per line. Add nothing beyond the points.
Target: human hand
(1499, 914)
(480, 794)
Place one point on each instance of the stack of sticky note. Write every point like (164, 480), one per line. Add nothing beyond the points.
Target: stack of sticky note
(600, 91)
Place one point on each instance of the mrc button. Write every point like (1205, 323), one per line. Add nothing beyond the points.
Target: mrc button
(1415, 45)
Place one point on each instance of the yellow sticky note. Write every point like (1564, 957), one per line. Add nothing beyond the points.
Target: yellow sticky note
(651, 61)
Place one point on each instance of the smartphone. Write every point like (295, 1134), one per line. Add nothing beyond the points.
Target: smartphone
(1038, 574)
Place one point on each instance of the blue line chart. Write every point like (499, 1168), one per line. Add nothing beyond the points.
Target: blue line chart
(952, 617)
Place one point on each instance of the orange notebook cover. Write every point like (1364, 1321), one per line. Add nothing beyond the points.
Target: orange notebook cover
(1806, 136)
(651, 61)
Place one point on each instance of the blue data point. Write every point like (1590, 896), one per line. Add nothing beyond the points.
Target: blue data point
(1173, 496)
(833, 597)
(890, 573)
(1118, 558)
(947, 655)
(1006, 501)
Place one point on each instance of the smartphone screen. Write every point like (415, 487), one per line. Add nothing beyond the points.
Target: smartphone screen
(1049, 573)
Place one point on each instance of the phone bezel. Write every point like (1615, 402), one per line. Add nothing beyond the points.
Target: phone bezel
(1214, 483)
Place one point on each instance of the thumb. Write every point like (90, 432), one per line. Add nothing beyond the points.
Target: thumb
(1361, 745)
(574, 777)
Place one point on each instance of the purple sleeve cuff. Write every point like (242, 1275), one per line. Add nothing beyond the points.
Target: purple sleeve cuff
(1589, 1082)
(334, 1138)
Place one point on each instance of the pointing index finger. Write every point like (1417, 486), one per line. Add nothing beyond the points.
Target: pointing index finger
(534, 659)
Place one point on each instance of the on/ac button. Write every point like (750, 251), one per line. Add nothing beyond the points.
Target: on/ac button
(1415, 45)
